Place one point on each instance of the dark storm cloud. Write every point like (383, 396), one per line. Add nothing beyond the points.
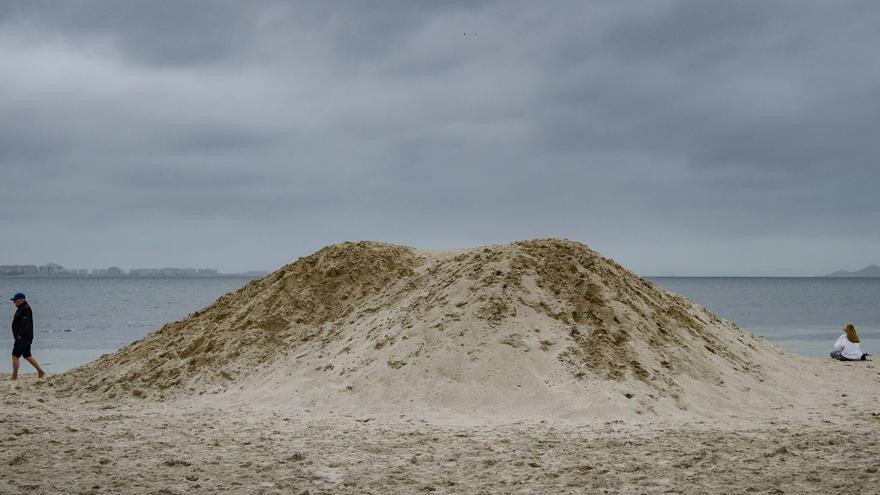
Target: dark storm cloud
(676, 136)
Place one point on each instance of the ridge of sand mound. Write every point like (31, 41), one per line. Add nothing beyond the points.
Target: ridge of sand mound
(530, 328)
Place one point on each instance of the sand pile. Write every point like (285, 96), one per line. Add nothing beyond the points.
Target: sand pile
(544, 327)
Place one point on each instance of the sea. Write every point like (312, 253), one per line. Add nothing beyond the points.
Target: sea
(79, 319)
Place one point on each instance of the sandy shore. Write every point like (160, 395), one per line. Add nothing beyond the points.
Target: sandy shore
(534, 367)
(71, 445)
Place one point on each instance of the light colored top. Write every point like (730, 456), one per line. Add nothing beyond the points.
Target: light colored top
(847, 349)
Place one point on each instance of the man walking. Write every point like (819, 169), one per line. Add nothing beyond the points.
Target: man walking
(23, 332)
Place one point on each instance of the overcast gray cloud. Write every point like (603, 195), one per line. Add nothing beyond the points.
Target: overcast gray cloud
(683, 137)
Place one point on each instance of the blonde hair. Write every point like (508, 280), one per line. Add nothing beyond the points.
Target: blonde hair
(851, 334)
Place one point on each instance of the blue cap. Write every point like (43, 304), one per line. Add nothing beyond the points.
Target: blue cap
(18, 295)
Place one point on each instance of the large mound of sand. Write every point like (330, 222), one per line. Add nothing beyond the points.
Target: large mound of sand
(544, 327)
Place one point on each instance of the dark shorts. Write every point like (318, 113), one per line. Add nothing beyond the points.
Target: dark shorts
(838, 356)
(22, 348)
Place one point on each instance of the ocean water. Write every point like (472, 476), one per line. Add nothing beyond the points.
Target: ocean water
(802, 315)
(77, 320)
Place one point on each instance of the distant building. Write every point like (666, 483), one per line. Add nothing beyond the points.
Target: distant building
(113, 271)
(51, 269)
(143, 272)
(173, 272)
(18, 270)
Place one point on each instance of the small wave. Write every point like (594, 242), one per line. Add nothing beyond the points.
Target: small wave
(60, 330)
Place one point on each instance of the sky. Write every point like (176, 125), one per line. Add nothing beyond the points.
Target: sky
(676, 137)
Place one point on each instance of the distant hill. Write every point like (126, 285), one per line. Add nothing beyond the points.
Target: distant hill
(867, 272)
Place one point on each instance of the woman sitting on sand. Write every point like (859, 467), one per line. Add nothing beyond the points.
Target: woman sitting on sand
(847, 346)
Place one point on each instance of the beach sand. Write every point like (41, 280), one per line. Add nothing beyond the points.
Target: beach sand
(533, 367)
(67, 445)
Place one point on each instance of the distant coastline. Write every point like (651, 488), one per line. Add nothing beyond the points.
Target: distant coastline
(872, 271)
(53, 270)
(253, 275)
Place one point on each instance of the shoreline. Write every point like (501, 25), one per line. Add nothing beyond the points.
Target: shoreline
(70, 357)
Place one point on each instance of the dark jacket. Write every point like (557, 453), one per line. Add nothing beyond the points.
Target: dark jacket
(23, 323)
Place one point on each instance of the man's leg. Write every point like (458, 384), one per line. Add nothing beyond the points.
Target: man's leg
(14, 368)
(35, 364)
